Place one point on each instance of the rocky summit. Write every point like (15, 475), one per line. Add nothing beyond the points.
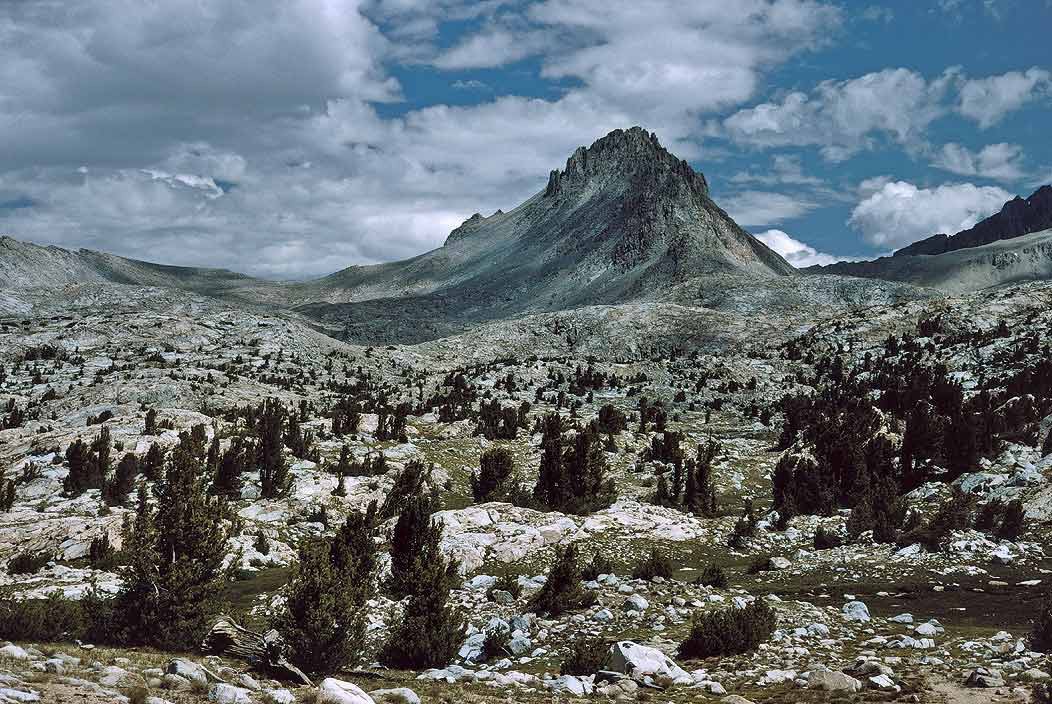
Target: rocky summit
(604, 446)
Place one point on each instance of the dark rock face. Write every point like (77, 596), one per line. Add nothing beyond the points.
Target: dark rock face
(1018, 217)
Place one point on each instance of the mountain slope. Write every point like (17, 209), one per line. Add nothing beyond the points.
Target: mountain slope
(624, 220)
(1006, 261)
(1018, 217)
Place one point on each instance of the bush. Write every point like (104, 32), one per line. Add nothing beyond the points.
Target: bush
(744, 528)
(506, 583)
(600, 564)
(496, 643)
(41, 620)
(655, 565)
(713, 576)
(587, 656)
(562, 592)
(729, 631)
(29, 562)
(825, 540)
(759, 564)
(1041, 632)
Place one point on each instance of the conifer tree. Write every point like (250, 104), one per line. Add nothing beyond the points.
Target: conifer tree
(323, 618)
(562, 590)
(175, 554)
(430, 629)
(151, 422)
(273, 469)
(495, 469)
(117, 487)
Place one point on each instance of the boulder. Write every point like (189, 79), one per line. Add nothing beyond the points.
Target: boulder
(14, 652)
(637, 661)
(398, 695)
(635, 603)
(571, 684)
(856, 611)
(336, 691)
(983, 677)
(229, 694)
(829, 681)
(779, 563)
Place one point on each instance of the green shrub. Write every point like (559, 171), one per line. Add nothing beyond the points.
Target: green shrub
(713, 576)
(586, 657)
(655, 565)
(729, 631)
(505, 583)
(41, 620)
(29, 562)
(562, 592)
(1041, 632)
(825, 539)
(600, 564)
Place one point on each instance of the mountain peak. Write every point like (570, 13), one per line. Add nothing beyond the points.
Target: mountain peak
(624, 155)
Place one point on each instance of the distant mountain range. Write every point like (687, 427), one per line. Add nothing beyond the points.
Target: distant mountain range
(624, 222)
(1012, 245)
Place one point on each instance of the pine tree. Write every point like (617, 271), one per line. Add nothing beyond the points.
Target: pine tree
(274, 477)
(408, 484)
(323, 618)
(705, 486)
(153, 466)
(550, 489)
(1046, 449)
(413, 532)
(495, 469)
(562, 590)
(122, 482)
(151, 422)
(236, 460)
(175, 555)
(76, 482)
(430, 629)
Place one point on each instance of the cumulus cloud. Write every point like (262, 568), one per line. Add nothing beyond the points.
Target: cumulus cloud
(1001, 161)
(896, 213)
(761, 208)
(794, 251)
(204, 143)
(988, 100)
(844, 117)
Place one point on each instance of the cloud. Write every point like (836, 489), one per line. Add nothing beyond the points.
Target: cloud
(1001, 161)
(489, 49)
(794, 251)
(472, 84)
(203, 143)
(845, 117)
(896, 213)
(988, 100)
(760, 208)
(785, 168)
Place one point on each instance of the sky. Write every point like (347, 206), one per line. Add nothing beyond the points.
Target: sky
(292, 138)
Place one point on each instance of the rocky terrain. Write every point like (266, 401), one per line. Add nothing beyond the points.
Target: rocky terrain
(653, 306)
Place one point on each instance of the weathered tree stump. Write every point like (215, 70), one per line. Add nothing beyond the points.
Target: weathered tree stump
(265, 652)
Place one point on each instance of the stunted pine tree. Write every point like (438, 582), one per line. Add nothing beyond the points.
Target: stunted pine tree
(430, 629)
(175, 555)
(562, 590)
(323, 618)
(573, 480)
(495, 469)
(117, 487)
(273, 469)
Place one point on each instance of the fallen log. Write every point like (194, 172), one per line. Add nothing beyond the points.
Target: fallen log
(263, 651)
